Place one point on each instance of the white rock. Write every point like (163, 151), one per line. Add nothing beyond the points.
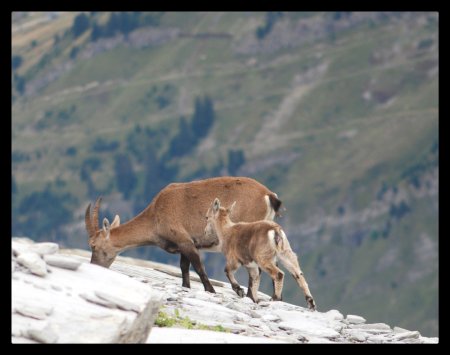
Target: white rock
(352, 319)
(358, 336)
(310, 327)
(270, 317)
(273, 326)
(45, 248)
(427, 340)
(178, 335)
(33, 262)
(61, 261)
(73, 319)
(246, 300)
(254, 314)
(318, 340)
(33, 311)
(254, 322)
(400, 330)
(118, 301)
(406, 335)
(46, 335)
(39, 248)
(378, 339)
(372, 326)
(215, 311)
(334, 314)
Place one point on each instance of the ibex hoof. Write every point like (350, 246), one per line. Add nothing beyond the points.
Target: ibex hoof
(240, 292)
(311, 303)
(275, 298)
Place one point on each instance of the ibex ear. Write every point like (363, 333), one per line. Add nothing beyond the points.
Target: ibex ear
(216, 205)
(116, 222)
(106, 227)
(230, 209)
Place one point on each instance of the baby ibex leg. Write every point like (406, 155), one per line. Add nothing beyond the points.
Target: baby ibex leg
(253, 283)
(230, 269)
(290, 261)
(277, 276)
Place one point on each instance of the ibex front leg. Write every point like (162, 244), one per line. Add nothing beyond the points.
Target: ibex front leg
(191, 253)
(184, 266)
(253, 282)
(230, 269)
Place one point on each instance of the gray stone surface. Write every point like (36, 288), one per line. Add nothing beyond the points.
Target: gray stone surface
(20, 246)
(33, 262)
(46, 335)
(62, 262)
(120, 305)
(400, 330)
(59, 308)
(352, 319)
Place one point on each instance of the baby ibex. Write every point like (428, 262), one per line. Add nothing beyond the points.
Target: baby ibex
(255, 244)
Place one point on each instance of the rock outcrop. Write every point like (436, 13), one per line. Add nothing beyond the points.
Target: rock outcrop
(76, 302)
(60, 299)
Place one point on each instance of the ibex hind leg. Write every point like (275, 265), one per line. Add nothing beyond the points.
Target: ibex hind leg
(277, 277)
(290, 261)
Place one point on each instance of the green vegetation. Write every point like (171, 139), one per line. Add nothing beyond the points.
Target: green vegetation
(165, 320)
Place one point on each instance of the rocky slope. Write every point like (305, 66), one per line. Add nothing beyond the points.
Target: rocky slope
(58, 297)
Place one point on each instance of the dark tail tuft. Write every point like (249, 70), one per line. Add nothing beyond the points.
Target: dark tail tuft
(275, 202)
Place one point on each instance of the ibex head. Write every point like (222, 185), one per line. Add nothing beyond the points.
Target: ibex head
(103, 250)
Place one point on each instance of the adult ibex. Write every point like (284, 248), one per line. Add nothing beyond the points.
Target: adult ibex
(255, 245)
(175, 221)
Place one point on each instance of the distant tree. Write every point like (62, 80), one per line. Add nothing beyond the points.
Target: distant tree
(203, 117)
(158, 174)
(16, 61)
(102, 145)
(20, 83)
(71, 151)
(184, 141)
(137, 141)
(42, 212)
(74, 52)
(125, 176)
(96, 33)
(271, 18)
(80, 25)
(235, 160)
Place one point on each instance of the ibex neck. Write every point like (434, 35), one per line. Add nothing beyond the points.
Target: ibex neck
(136, 232)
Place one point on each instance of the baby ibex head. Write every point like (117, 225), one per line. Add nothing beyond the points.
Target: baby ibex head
(103, 251)
(216, 212)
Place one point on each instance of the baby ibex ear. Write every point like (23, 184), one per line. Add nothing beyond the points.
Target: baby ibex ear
(116, 222)
(216, 205)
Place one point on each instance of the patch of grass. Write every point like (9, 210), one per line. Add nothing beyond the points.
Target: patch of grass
(166, 320)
